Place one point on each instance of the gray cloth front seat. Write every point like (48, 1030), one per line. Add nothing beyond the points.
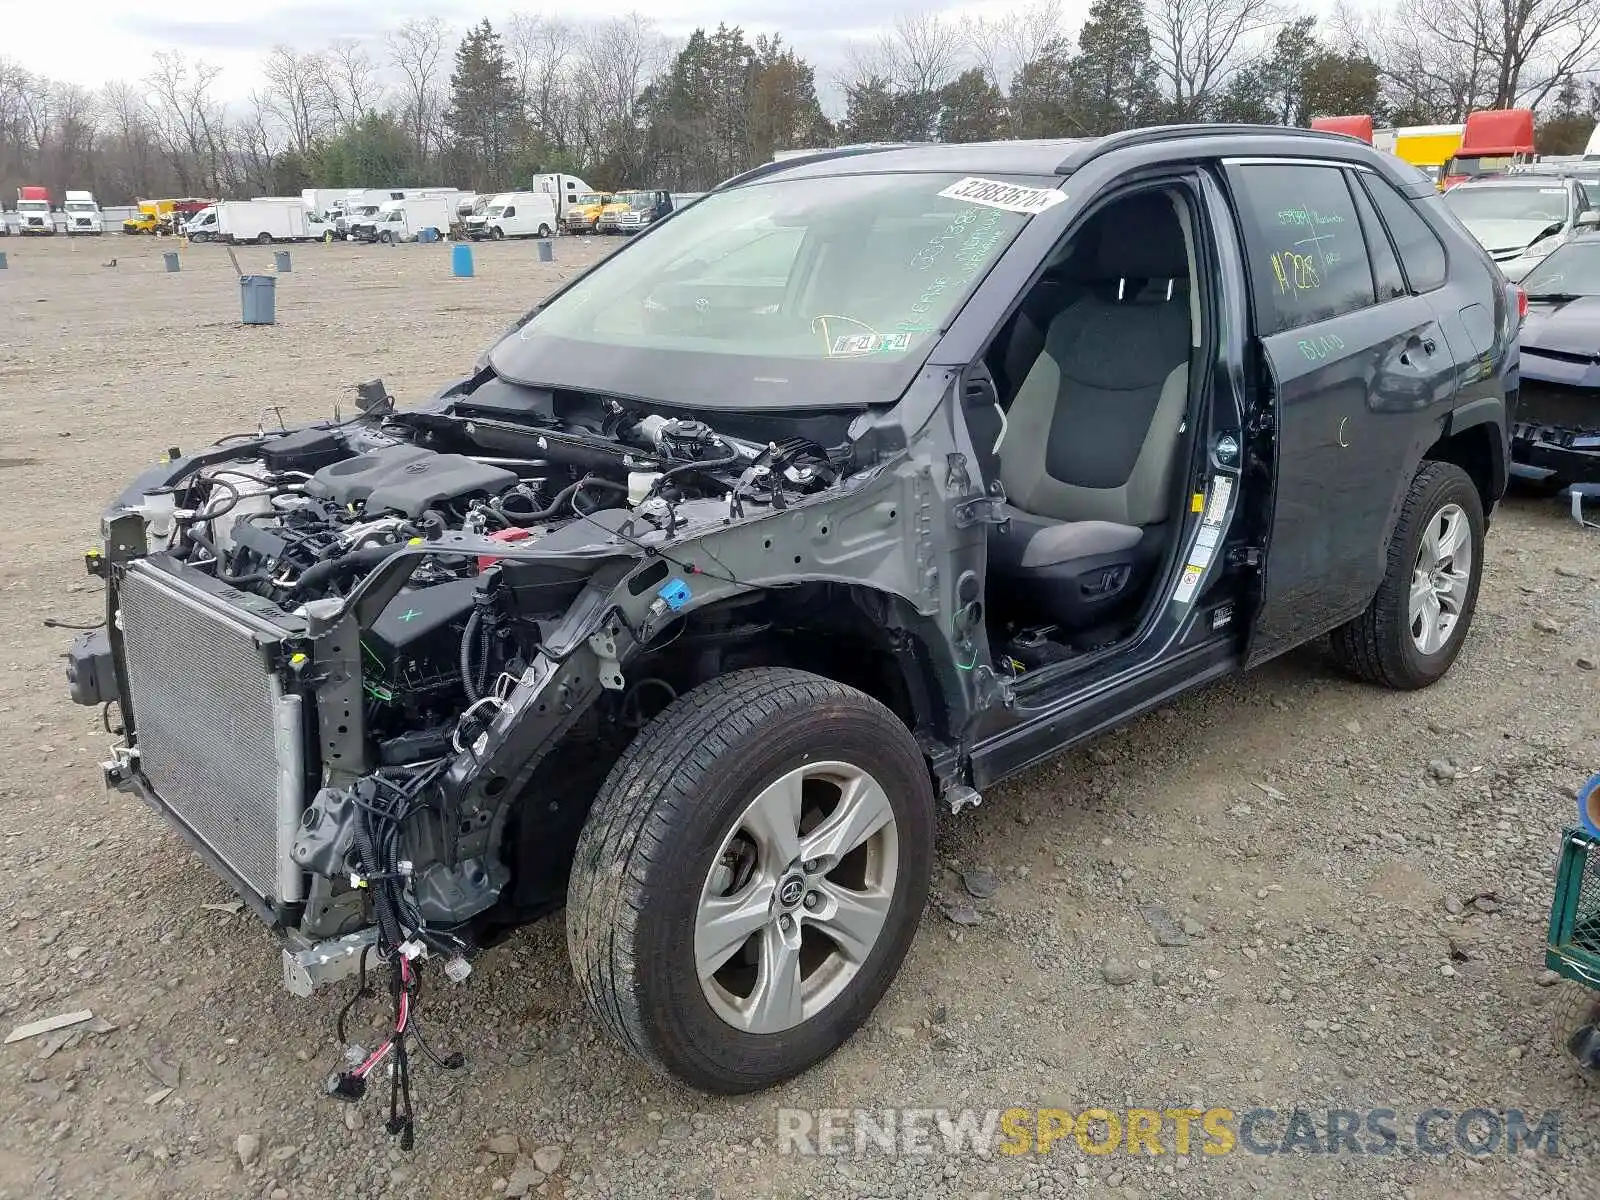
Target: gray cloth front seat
(1091, 439)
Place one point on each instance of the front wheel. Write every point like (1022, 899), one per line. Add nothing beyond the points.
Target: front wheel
(263, 239)
(386, 238)
(750, 877)
(496, 234)
(544, 231)
(1412, 631)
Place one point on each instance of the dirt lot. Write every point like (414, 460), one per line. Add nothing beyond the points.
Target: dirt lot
(1363, 877)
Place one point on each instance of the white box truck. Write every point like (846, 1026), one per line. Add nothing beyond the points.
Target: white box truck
(263, 221)
(83, 215)
(404, 220)
(515, 214)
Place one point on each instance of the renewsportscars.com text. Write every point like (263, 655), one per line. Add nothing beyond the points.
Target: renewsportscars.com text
(1158, 1131)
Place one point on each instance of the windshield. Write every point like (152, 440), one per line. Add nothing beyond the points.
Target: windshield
(590, 198)
(637, 199)
(79, 206)
(499, 210)
(1542, 205)
(791, 293)
(33, 206)
(1572, 270)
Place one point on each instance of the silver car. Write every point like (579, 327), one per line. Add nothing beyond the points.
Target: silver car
(1520, 219)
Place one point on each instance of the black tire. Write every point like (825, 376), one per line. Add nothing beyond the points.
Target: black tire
(263, 239)
(650, 841)
(386, 238)
(327, 237)
(1574, 1012)
(497, 234)
(1378, 646)
(544, 231)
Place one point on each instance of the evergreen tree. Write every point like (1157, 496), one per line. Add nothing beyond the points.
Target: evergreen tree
(1044, 96)
(1115, 72)
(485, 113)
(971, 109)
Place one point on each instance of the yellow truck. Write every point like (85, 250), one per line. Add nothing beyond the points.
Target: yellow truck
(583, 213)
(148, 217)
(1426, 147)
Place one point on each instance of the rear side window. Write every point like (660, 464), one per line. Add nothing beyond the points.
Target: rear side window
(1387, 276)
(1420, 250)
(1308, 259)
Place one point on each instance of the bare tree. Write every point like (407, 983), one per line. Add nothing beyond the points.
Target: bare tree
(922, 52)
(130, 146)
(542, 50)
(187, 119)
(417, 52)
(617, 59)
(297, 94)
(1003, 45)
(254, 141)
(1198, 44)
(351, 83)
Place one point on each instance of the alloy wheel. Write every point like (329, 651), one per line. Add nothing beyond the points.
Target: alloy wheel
(797, 897)
(1440, 579)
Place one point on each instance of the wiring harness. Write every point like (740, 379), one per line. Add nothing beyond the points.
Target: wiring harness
(383, 805)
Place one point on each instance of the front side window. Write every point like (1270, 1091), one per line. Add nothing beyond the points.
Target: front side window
(1308, 258)
(803, 292)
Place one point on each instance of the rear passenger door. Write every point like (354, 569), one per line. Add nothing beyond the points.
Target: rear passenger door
(1351, 374)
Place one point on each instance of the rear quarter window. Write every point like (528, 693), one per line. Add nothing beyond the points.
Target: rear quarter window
(1308, 259)
(1421, 253)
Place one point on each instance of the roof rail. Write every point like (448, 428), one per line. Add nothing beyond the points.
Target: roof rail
(823, 155)
(1113, 142)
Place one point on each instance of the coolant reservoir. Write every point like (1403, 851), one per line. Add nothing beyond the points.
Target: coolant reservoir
(639, 485)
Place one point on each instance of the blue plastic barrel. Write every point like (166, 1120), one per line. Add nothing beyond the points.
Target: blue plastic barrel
(2, 260)
(428, 236)
(461, 261)
(547, 250)
(258, 298)
(170, 257)
(281, 257)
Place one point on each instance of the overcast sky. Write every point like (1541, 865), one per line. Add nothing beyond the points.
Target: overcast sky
(111, 39)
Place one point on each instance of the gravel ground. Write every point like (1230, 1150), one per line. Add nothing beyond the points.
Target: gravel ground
(1359, 880)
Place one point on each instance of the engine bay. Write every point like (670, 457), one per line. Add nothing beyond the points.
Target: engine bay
(303, 516)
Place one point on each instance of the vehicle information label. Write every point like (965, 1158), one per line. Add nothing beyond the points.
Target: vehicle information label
(1221, 493)
(993, 194)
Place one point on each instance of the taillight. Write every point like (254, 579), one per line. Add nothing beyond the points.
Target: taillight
(1522, 304)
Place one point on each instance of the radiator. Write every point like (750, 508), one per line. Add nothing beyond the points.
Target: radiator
(218, 740)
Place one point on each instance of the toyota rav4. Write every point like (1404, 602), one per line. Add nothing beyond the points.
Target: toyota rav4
(871, 479)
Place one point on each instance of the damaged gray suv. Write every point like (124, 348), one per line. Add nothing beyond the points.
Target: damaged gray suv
(866, 481)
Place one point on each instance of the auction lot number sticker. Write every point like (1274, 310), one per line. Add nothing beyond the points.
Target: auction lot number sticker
(992, 193)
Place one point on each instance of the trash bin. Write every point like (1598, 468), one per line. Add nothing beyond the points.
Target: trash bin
(258, 295)
(461, 261)
(547, 250)
(281, 257)
(170, 257)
